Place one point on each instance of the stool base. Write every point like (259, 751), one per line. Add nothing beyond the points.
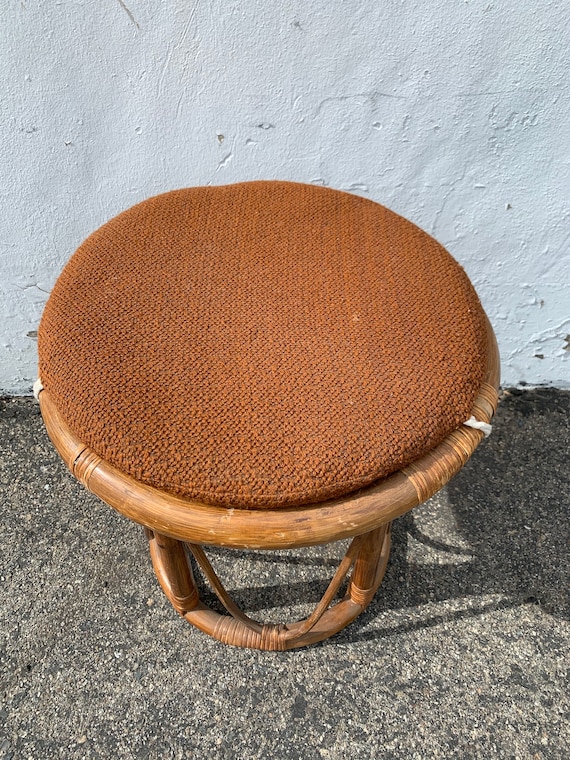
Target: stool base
(367, 555)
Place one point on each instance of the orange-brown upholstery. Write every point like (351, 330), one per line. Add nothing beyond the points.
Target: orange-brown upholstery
(263, 344)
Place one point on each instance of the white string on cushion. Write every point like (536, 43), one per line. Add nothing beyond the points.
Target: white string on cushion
(37, 387)
(484, 427)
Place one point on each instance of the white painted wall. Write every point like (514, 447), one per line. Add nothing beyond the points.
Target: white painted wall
(454, 113)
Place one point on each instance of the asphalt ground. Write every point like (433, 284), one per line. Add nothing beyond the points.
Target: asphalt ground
(464, 652)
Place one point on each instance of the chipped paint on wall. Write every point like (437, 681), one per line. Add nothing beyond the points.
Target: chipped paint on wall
(457, 119)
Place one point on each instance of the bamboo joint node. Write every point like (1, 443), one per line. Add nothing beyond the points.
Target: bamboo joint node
(84, 465)
(273, 637)
(362, 596)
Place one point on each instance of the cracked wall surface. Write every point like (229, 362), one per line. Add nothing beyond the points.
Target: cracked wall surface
(455, 115)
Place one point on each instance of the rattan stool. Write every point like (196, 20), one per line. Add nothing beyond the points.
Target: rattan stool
(265, 365)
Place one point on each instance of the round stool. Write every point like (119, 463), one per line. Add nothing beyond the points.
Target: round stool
(265, 365)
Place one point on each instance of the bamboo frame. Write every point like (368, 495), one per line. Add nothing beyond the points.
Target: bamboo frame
(366, 515)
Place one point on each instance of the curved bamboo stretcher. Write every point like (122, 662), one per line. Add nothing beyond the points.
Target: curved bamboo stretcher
(171, 522)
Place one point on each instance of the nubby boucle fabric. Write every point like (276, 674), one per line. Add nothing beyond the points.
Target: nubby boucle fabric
(263, 344)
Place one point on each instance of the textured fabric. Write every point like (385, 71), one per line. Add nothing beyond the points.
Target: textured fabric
(262, 344)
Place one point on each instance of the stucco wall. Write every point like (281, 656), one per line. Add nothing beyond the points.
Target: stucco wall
(453, 113)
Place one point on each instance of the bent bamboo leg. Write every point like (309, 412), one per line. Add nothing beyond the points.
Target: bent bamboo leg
(367, 553)
(173, 571)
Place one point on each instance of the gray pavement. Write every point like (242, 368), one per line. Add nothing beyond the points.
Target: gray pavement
(463, 654)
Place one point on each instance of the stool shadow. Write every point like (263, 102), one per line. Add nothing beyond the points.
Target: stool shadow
(502, 541)
(509, 508)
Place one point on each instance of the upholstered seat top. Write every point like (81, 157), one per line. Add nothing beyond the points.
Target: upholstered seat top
(263, 344)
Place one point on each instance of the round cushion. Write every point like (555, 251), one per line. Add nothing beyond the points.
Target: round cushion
(262, 344)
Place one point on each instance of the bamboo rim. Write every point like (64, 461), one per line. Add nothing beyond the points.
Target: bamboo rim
(353, 514)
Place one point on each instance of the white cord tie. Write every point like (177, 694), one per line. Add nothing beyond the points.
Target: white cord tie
(37, 387)
(484, 427)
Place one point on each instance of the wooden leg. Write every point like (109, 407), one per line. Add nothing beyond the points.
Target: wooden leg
(173, 571)
(368, 554)
(364, 580)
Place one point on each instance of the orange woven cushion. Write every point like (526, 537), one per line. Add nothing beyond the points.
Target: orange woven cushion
(262, 344)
